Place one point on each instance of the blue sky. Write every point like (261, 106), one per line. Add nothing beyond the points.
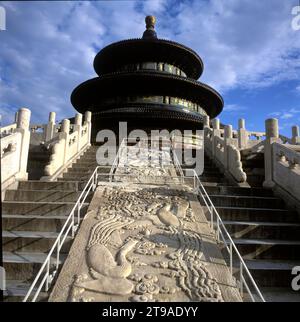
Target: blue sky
(251, 53)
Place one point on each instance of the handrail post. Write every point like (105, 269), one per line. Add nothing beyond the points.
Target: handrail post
(47, 273)
(231, 259)
(194, 177)
(78, 213)
(211, 211)
(241, 279)
(218, 230)
(57, 253)
(73, 225)
(95, 180)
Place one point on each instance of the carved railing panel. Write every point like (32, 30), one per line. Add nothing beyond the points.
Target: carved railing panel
(235, 165)
(7, 130)
(219, 145)
(286, 169)
(67, 145)
(10, 155)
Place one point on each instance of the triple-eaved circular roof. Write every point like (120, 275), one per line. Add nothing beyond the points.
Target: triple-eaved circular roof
(94, 92)
(112, 57)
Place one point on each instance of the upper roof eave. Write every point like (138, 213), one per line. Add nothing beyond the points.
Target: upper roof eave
(112, 55)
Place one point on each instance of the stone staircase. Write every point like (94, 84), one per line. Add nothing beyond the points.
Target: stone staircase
(33, 216)
(265, 231)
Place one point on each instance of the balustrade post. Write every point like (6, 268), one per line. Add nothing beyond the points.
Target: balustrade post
(23, 121)
(16, 117)
(215, 132)
(88, 121)
(206, 121)
(78, 127)
(227, 142)
(50, 127)
(206, 130)
(272, 136)
(242, 135)
(64, 134)
(295, 135)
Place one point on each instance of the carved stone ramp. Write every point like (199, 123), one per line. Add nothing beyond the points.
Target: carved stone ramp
(144, 243)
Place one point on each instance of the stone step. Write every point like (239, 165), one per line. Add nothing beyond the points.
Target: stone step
(89, 155)
(31, 241)
(257, 214)
(268, 248)
(88, 158)
(212, 184)
(74, 173)
(81, 182)
(272, 272)
(84, 162)
(268, 230)
(25, 265)
(43, 195)
(16, 290)
(48, 185)
(38, 208)
(273, 265)
(247, 201)
(280, 294)
(104, 169)
(239, 191)
(219, 179)
(33, 222)
(73, 177)
(80, 169)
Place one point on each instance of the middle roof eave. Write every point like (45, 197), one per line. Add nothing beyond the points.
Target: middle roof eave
(146, 83)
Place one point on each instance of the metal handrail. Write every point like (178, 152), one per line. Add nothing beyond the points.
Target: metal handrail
(116, 160)
(177, 165)
(215, 220)
(68, 226)
(221, 232)
(227, 240)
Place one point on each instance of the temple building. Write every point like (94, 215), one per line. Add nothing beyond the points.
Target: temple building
(147, 227)
(150, 83)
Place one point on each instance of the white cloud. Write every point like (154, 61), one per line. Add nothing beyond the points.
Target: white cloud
(286, 116)
(233, 108)
(275, 114)
(243, 43)
(154, 6)
(49, 47)
(294, 110)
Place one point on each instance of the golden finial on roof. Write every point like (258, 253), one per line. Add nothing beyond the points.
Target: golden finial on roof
(150, 22)
(150, 33)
